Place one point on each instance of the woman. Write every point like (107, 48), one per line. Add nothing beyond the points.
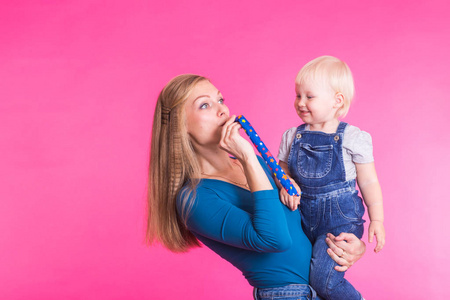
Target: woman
(207, 185)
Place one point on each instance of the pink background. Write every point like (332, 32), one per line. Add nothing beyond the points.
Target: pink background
(78, 84)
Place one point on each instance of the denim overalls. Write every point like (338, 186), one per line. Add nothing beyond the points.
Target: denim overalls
(329, 204)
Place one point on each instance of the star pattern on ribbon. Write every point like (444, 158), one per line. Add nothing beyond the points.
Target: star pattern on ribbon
(267, 156)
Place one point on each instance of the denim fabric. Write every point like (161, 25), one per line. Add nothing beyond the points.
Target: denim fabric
(329, 204)
(288, 292)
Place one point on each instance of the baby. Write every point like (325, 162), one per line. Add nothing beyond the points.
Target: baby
(326, 158)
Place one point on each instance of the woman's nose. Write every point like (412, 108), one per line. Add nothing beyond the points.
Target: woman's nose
(223, 110)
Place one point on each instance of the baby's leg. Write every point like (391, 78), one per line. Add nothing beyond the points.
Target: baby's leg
(329, 283)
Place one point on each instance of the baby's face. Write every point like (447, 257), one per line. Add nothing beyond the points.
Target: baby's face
(315, 102)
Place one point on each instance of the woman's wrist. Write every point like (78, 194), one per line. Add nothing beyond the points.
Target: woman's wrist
(252, 167)
(256, 177)
(249, 161)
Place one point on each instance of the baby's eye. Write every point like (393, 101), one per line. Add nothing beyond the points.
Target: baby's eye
(204, 105)
(298, 96)
(310, 97)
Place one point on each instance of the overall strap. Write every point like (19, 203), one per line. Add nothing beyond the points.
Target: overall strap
(341, 127)
(301, 127)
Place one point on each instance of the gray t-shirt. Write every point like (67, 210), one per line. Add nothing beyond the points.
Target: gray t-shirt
(356, 148)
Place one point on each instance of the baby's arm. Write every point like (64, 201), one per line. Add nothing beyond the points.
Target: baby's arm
(371, 192)
(290, 201)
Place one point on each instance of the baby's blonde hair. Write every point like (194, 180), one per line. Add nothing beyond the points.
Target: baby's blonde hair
(333, 71)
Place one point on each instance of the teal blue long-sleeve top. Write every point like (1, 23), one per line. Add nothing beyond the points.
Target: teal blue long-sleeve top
(253, 231)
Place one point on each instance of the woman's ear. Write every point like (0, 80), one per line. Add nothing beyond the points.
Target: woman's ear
(339, 100)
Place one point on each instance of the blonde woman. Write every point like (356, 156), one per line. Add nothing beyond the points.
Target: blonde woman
(206, 185)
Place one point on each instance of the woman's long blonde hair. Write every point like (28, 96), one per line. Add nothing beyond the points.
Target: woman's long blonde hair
(173, 164)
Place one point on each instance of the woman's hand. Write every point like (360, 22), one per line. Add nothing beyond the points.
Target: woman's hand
(345, 249)
(233, 143)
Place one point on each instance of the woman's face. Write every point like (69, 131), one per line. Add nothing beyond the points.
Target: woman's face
(205, 114)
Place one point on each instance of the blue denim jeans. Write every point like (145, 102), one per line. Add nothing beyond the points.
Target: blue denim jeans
(334, 212)
(288, 292)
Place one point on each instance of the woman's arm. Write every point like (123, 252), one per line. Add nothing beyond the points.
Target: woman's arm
(215, 218)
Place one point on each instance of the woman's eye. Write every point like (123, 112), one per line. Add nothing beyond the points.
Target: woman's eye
(221, 100)
(204, 105)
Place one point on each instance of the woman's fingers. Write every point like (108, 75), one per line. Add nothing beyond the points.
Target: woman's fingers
(343, 264)
(333, 246)
(345, 242)
(346, 245)
(232, 142)
(231, 120)
(227, 127)
(225, 132)
(344, 237)
(341, 268)
(231, 132)
(345, 249)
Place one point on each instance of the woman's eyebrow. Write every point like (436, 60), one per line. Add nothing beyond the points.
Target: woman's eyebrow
(201, 96)
(218, 93)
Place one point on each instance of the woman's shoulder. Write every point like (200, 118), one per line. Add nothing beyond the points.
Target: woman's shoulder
(193, 194)
(192, 189)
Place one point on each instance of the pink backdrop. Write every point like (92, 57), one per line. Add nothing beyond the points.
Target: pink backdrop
(78, 84)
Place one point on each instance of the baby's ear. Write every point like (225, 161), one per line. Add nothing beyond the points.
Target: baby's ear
(339, 100)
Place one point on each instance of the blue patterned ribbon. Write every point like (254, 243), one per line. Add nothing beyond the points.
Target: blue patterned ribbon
(267, 156)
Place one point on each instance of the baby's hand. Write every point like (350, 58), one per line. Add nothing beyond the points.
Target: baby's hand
(290, 201)
(377, 228)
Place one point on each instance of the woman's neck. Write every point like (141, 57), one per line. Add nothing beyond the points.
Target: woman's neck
(213, 161)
